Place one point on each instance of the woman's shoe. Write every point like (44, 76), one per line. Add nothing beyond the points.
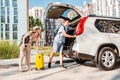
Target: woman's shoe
(49, 65)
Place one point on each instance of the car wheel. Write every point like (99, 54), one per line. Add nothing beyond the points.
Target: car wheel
(107, 59)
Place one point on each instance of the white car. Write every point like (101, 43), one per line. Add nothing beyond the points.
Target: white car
(98, 37)
(99, 40)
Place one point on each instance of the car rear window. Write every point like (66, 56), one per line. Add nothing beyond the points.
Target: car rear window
(70, 13)
(108, 26)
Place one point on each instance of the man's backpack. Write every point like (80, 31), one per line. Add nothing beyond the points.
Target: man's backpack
(57, 29)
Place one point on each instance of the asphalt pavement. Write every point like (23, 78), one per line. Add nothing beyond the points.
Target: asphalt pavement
(74, 71)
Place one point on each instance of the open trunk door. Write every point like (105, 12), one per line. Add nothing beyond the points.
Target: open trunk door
(56, 11)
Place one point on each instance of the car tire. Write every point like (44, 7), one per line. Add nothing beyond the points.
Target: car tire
(107, 59)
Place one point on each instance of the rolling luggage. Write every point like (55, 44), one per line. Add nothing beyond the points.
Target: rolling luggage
(39, 61)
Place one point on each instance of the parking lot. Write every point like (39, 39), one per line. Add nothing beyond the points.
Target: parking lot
(74, 71)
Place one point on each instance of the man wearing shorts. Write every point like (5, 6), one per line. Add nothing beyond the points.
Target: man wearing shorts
(59, 40)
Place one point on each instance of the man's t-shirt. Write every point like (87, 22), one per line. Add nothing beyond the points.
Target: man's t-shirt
(60, 38)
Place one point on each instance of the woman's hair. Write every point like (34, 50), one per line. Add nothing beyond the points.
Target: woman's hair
(38, 34)
(35, 30)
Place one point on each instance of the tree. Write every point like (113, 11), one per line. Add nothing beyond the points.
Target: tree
(35, 22)
(31, 22)
(39, 23)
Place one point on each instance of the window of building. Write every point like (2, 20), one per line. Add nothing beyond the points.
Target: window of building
(15, 11)
(114, 12)
(8, 11)
(8, 19)
(14, 35)
(1, 27)
(7, 3)
(2, 10)
(114, 1)
(14, 27)
(119, 7)
(108, 26)
(98, 6)
(7, 35)
(1, 35)
(1, 2)
(106, 3)
(6, 27)
(2, 19)
(14, 3)
(15, 19)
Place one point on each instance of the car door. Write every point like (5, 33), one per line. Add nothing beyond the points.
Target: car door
(114, 32)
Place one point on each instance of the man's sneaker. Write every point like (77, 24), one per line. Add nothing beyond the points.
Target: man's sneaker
(63, 66)
(66, 55)
(49, 65)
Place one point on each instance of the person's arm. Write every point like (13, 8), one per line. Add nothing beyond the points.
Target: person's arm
(27, 34)
(36, 42)
(67, 35)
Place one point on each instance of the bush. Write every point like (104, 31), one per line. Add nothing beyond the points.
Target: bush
(46, 50)
(8, 50)
(47, 53)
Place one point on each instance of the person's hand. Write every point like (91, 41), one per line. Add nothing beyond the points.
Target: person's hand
(23, 45)
(74, 36)
(37, 51)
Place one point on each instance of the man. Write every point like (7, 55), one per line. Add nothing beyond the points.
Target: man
(59, 40)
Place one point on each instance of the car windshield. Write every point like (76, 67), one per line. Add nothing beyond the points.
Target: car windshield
(70, 13)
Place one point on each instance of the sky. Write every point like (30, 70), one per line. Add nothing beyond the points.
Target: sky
(44, 3)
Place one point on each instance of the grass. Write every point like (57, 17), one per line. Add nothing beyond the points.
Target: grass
(8, 50)
(46, 50)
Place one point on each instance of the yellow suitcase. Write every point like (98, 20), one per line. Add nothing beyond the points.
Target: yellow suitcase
(39, 61)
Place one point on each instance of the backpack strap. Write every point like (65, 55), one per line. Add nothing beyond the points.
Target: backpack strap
(59, 28)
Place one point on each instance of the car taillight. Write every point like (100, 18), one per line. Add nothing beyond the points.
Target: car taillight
(80, 26)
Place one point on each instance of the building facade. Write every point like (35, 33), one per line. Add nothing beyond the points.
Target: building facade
(13, 19)
(50, 26)
(37, 13)
(87, 9)
(106, 7)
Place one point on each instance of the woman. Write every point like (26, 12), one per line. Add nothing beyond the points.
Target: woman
(25, 47)
(37, 36)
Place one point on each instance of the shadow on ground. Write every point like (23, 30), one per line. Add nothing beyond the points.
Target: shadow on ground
(44, 76)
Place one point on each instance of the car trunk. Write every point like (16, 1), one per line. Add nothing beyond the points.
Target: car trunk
(69, 43)
(56, 11)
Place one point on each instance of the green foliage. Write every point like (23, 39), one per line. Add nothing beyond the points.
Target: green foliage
(47, 53)
(35, 22)
(8, 50)
(43, 48)
(46, 50)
